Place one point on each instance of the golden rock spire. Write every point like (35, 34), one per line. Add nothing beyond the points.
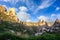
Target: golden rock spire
(12, 11)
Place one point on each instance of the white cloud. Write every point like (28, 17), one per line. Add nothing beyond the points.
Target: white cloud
(8, 8)
(23, 15)
(44, 4)
(13, 2)
(23, 0)
(6, 0)
(50, 18)
(57, 8)
(58, 16)
(28, 3)
(43, 18)
(28, 20)
(24, 9)
(55, 16)
(31, 5)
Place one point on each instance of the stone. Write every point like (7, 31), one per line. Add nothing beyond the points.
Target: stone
(2, 9)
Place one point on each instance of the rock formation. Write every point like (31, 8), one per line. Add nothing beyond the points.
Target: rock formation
(50, 24)
(2, 9)
(57, 23)
(31, 23)
(42, 23)
(12, 15)
(8, 16)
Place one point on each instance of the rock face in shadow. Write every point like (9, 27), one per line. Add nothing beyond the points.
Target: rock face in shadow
(56, 26)
(57, 23)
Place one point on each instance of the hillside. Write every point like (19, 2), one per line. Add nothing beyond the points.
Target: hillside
(11, 27)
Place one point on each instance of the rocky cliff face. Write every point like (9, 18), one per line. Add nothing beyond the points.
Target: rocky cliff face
(2, 9)
(31, 23)
(57, 23)
(8, 16)
(42, 23)
(12, 15)
(50, 24)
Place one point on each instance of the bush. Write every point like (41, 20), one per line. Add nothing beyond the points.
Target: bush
(6, 36)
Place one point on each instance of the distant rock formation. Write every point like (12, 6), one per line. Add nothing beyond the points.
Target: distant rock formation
(42, 23)
(57, 23)
(31, 23)
(50, 24)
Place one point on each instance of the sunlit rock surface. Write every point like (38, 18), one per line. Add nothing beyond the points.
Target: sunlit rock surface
(2, 9)
(50, 24)
(31, 23)
(8, 16)
(42, 23)
(12, 15)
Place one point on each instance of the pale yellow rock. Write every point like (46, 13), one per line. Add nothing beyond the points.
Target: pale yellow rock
(8, 16)
(42, 23)
(2, 9)
(12, 11)
(50, 24)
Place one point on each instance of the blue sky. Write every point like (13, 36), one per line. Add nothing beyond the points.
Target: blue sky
(34, 10)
